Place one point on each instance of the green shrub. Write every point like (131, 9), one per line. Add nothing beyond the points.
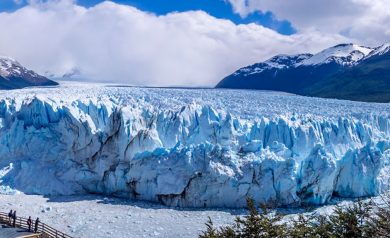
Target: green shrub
(379, 222)
(359, 220)
(302, 227)
(259, 224)
(351, 221)
(254, 225)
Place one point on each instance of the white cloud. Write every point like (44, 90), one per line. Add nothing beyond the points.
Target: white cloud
(364, 21)
(18, 2)
(116, 43)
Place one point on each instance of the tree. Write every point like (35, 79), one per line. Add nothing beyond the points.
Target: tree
(254, 225)
(211, 232)
(322, 227)
(260, 225)
(350, 222)
(302, 227)
(379, 223)
(355, 221)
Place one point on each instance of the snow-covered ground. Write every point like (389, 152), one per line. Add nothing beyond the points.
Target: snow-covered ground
(95, 217)
(191, 147)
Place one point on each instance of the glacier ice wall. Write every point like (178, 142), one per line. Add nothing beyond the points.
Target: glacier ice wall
(192, 153)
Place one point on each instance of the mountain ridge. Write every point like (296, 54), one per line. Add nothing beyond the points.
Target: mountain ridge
(337, 66)
(14, 76)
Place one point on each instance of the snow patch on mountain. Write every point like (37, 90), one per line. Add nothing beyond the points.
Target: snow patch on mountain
(344, 54)
(11, 67)
(276, 62)
(13, 76)
(381, 50)
(192, 148)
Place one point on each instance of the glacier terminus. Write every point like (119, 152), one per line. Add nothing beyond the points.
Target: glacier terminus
(192, 147)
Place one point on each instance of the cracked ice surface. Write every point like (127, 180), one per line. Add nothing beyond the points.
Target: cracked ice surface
(192, 147)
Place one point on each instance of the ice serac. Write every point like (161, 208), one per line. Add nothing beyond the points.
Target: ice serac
(189, 153)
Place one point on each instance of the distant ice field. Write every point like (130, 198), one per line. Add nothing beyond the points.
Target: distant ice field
(247, 104)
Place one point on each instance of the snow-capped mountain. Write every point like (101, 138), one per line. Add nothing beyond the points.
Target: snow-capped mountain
(344, 54)
(381, 50)
(13, 75)
(308, 74)
(276, 62)
(192, 147)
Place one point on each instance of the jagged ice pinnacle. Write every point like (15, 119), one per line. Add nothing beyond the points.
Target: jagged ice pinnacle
(192, 148)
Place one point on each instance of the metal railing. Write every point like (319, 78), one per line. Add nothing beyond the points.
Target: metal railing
(43, 231)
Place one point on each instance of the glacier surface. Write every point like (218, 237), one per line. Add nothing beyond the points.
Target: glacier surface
(192, 147)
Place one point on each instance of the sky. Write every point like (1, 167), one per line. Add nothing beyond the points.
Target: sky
(178, 42)
(216, 8)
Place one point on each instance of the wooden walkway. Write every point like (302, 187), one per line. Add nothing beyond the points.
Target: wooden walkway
(11, 232)
(21, 229)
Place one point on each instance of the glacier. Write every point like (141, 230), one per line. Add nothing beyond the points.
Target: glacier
(192, 147)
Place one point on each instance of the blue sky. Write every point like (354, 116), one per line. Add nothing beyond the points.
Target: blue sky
(217, 8)
(119, 44)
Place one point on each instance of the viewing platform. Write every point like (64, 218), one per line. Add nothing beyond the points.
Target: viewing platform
(21, 229)
(12, 232)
